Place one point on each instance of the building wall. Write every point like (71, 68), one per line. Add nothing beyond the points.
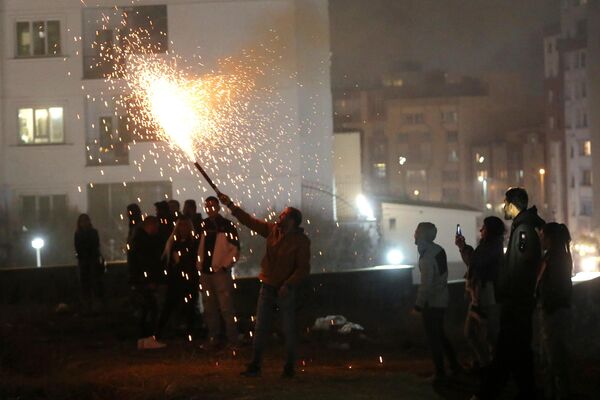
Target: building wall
(347, 174)
(556, 195)
(300, 105)
(575, 38)
(593, 74)
(399, 221)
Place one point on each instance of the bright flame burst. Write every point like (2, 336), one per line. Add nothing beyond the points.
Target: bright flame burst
(195, 115)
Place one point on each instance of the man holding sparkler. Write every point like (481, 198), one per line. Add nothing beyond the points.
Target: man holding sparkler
(285, 265)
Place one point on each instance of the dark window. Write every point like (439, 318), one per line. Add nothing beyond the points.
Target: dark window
(392, 224)
(38, 38)
(450, 176)
(586, 177)
(452, 136)
(141, 28)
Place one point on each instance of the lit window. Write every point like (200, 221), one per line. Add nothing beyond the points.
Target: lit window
(416, 176)
(380, 170)
(453, 155)
(38, 38)
(41, 125)
(449, 116)
(585, 148)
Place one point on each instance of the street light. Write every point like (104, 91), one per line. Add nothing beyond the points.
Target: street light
(395, 257)
(37, 244)
(542, 172)
(483, 180)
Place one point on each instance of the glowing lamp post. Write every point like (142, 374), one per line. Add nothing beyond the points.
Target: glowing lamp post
(37, 244)
(542, 172)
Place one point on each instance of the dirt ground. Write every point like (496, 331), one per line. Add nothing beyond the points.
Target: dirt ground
(50, 355)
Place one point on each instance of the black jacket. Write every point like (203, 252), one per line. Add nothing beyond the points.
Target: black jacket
(555, 286)
(185, 271)
(483, 264)
(517, 278)
(144, 258)
(87, 245)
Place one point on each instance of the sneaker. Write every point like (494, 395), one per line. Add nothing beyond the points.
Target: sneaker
(251, 372)
(288, 372)
(151, 343)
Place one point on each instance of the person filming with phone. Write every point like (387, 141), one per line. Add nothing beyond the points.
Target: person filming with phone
(482, 264)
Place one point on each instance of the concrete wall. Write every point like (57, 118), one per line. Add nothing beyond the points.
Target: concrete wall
(347, 173)
(378, 299)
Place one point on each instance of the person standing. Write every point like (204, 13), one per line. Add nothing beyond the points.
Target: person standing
(515, 293)
(89, 261)
(166, 223)
(182, 276)
(190, 211)
(285, 265)
(432, 298)
(134, 216)
(146, 277)
(174, 209)
(554, 290)
(219, 250)
(482, 264)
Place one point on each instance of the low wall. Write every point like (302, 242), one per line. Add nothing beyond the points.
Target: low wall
(377, 298)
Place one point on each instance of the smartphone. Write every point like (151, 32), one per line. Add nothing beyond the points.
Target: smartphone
(458, 230)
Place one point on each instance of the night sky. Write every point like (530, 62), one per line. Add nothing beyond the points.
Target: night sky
(467, 36)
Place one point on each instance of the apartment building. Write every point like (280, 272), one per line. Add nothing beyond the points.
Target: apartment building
(571, 56)
(66, 148)
(421, 131)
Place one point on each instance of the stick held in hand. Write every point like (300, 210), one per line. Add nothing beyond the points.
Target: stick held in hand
(205, 175)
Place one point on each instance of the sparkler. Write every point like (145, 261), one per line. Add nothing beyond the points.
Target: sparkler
(205, 175)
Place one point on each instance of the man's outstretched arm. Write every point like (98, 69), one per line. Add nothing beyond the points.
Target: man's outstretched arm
(260, 227)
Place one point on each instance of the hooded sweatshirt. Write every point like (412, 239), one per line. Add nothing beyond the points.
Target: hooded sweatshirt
(517, 277)
(433, 265)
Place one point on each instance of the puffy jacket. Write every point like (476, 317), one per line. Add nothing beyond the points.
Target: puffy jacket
(227, 245)
(433, 290)
(517, 277)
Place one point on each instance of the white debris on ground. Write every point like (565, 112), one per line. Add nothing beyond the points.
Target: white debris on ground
(338, 322)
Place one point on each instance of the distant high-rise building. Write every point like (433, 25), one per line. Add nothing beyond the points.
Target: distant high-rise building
(438, 137)
(572, 91)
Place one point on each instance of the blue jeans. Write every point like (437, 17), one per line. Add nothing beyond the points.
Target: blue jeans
(267, 301)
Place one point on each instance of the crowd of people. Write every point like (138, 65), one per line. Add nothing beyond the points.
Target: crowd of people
(175, 257)
(503, 289)
(180, 256)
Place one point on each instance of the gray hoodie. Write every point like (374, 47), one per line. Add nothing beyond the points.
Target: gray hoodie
(433, 264)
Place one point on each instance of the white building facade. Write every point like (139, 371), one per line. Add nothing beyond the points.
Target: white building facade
(64, 149)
